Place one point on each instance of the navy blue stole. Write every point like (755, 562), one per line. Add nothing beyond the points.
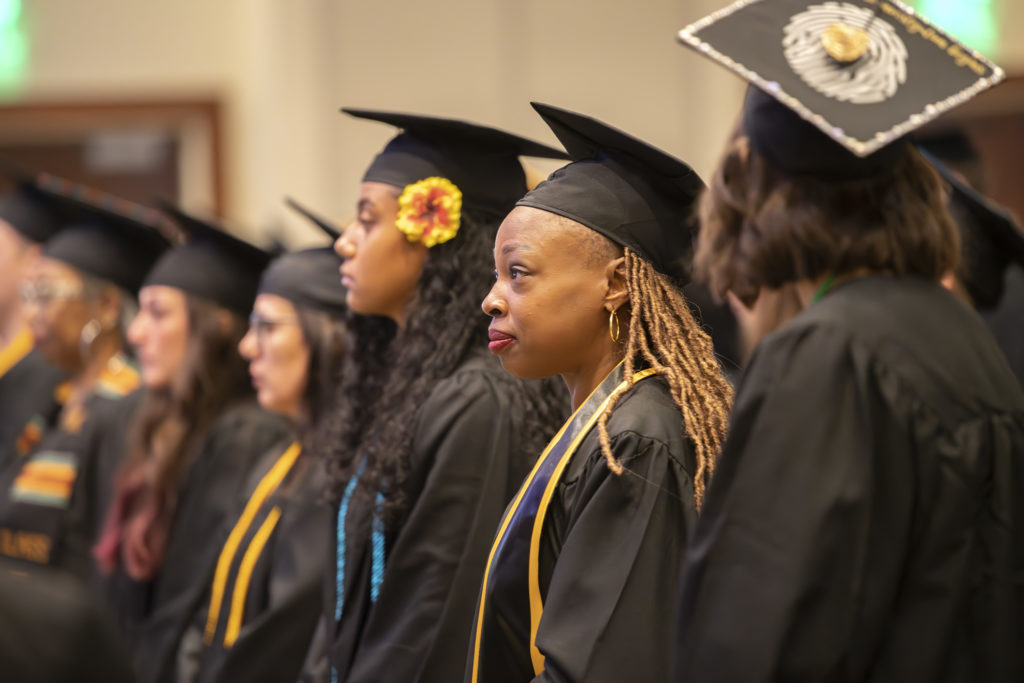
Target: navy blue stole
(512, 571)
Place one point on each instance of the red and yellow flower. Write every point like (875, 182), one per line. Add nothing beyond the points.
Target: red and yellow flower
(429, 211)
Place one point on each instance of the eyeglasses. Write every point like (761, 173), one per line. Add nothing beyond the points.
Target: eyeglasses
(46, 292)
(262, 326)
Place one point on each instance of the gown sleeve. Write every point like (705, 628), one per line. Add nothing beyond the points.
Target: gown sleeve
(623, 545)
(419, 628)
(801, 510)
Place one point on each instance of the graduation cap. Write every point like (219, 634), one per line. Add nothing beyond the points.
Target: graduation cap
(24, 207)
(632, 193)
(329, 229)
(101, 235)
(991, 238)
(482, 162)
(308, 278)
(26, 210)
(838, 84)
(212, 264)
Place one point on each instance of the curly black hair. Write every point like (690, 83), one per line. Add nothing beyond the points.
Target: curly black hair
(388, 373)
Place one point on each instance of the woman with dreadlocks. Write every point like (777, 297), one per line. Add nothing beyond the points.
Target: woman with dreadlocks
(585, 563)
(432, 438)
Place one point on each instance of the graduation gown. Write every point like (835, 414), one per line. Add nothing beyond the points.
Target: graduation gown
(155, 614)
(28, 400)
(266, 595)
(467, 463)
(53, 500)
(866, 518)
(53, 631)
(610, 551)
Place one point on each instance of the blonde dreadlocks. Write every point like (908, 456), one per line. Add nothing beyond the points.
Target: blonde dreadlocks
(664, 335)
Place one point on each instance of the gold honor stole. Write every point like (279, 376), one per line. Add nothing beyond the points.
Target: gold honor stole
(515, 553)
(226, 561)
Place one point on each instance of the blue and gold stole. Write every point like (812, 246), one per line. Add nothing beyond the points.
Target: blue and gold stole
(514, 562)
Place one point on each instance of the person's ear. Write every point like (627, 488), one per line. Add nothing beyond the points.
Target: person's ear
(617, 292)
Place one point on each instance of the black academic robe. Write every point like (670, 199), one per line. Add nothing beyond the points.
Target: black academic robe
(28, 401)
(154, 615)
(610, 555)
(267, 589)
(53, 500)
(468, 460)
(53, 631)
(866, 517)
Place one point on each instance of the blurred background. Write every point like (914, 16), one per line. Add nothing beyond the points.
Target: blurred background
(226, 106)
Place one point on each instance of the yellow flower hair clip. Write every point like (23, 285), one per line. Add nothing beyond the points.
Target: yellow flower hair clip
(429, 211)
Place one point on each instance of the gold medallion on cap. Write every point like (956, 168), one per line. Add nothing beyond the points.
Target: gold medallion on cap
(845, 44)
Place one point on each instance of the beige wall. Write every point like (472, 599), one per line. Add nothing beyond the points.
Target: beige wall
(284, 68)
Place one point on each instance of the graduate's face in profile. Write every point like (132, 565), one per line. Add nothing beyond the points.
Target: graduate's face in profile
(159, 334)
(381, 266)
(548, 300)
(278, 354)
(57, 311)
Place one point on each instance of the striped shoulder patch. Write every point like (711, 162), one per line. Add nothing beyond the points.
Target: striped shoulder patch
(48, 478)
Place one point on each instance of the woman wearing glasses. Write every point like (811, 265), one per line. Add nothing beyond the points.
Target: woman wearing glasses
(78, 296)
(266, 592)
(190, 445)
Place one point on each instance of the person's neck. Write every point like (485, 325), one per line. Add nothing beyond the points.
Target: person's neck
(582, 381)
(808, 291)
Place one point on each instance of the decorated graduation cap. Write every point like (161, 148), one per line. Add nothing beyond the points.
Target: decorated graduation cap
(632, 193)
(991, 238)
(101, 235)
(838, 84)
(212, 264)
(442, 164)
(309, 278)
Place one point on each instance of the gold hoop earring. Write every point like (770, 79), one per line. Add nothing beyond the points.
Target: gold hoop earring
(613, 326)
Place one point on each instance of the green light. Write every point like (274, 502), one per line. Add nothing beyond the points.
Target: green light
(13, 45)
(973, 22)
(10, 13)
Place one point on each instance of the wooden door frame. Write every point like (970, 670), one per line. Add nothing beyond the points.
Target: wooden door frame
(39, 120)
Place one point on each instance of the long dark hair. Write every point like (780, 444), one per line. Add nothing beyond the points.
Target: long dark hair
(763, 228)
(327, 338)
(387, 375)
(167, 429)
(212, 376)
